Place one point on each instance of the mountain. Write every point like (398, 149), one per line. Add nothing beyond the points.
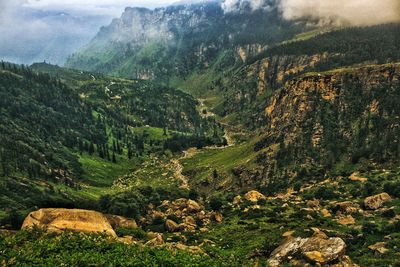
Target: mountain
(177, 40)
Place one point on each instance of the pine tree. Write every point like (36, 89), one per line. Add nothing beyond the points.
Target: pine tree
(91, 148)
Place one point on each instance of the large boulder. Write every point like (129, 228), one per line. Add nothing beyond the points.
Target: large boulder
(77, 220)
(323, 251)
(377, 201)
(316, 250)
(288, 248)
(254, 196)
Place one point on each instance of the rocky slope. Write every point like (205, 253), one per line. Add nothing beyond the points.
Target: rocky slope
(319, 119)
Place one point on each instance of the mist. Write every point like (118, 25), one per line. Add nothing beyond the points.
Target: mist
(352, 12)
(340, 12)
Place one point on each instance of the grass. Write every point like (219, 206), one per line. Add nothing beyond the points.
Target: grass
(202, 166)
(39, 249)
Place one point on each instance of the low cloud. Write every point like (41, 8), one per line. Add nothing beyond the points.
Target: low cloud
(353, 12)
(342, 12)
(238, 5)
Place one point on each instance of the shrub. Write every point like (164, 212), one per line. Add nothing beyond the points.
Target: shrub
(216, 203)
(297, 186)
(193, 194)
(392, 189)
(324, 192)
(138, 233)
(370, 228)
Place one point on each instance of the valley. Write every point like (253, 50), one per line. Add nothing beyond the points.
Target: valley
(192, 136)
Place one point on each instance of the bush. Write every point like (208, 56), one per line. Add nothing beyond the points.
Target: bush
(297, 186)
(325, 192)
(193, 194)
(370, 228)
(369, 189)
(138, 233)
(216, 203)
(392, 189)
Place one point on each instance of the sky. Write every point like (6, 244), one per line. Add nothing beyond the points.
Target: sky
(38, 30)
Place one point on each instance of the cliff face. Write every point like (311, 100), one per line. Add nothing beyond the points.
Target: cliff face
(249, 89)
(320, 119)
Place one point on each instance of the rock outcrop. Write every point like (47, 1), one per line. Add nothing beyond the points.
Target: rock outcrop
(77, 220)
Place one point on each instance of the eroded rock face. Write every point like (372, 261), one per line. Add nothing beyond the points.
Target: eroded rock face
(316, 250)
(58, 220)
(377, 201)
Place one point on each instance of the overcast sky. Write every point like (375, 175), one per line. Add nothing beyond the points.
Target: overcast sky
(98, 7)
(38, 30)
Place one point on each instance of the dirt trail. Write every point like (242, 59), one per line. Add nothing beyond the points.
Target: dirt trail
(178, 167)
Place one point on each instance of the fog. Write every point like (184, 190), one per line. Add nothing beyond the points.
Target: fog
(51, 30)
(343, 12)
(353, 12)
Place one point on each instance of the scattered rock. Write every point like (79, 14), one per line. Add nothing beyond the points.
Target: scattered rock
(58, 220)
(348, 207)
(356, 177)
(156, 241)
(237, 200)
(190, 249)
(193, 206)
(121, 222)
(377, 201)
(319, 233)
(326, 213)
(217, 217)
(171, 226)
(288, 234)
(254, 196)
(347, 220)
(129, 240)
(313, 204)
(379, 247)
(190, 220)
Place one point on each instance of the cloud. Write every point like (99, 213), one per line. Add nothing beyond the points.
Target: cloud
(343, 12)
(94, 7)
(354, 12)
(238, 5)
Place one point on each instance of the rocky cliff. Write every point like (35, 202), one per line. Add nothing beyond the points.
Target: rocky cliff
(319, 119)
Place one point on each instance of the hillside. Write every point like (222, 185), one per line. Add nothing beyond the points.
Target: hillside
(67, 134)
